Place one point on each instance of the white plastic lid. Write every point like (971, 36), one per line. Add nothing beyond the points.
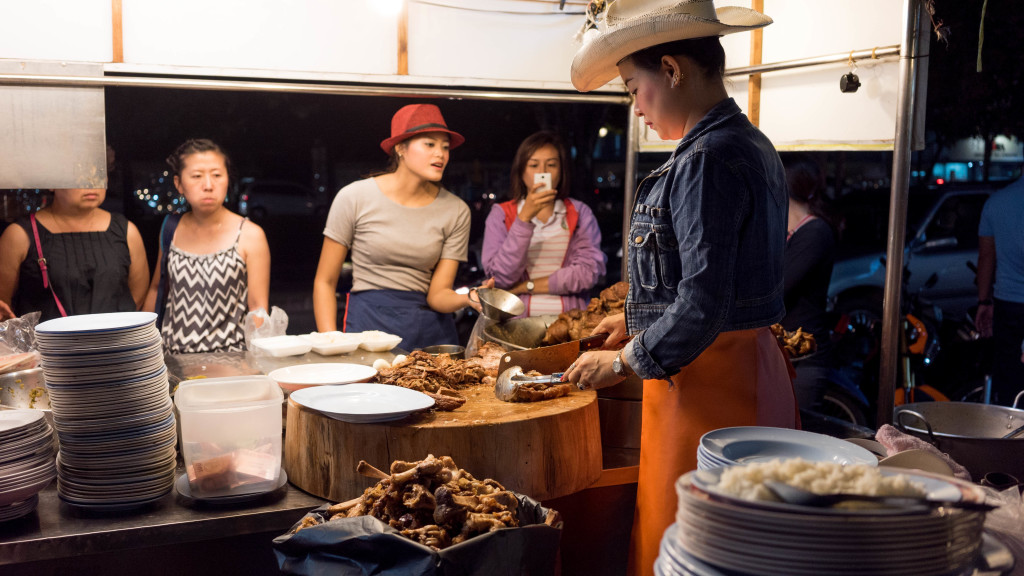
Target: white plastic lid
(231, 392)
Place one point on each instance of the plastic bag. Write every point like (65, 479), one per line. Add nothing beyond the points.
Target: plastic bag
(1008, 518)
(476, 336)
(18, 343)
(258, 324)
(364, 545)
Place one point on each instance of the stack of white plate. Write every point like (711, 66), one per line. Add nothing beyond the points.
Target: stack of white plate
(716, 534)
(746, 444)
(112, 409)
(26, 461)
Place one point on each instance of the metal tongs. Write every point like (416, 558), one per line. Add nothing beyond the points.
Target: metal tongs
(512, 378)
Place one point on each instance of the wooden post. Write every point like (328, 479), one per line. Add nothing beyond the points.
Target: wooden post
(754, 82)
(117, 31)
(403, 40)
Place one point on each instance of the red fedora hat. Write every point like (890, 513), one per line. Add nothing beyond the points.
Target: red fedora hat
(418, 119)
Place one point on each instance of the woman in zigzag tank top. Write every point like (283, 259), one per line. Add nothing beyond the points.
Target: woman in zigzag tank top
(215, 267)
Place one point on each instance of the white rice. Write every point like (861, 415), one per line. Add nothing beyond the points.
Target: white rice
(746, 482)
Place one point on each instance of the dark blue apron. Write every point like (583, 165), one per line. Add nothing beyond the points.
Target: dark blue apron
(402, 313)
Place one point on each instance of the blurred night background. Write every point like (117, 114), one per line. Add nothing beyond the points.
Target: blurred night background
(292, 153)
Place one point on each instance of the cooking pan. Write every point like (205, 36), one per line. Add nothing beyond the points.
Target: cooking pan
(975, 435)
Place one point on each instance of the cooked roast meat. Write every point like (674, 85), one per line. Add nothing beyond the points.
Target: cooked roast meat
(797, 343)
(432, 501)
(576, 324)
(441, 377)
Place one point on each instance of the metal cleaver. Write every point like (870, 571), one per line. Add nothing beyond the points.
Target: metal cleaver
(546, 360)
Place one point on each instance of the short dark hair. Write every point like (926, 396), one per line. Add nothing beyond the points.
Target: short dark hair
(805, 180)
(706, 52)
(196, 146)
(532, 143)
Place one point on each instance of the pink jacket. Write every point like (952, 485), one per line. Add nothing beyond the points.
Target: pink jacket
(505, 250)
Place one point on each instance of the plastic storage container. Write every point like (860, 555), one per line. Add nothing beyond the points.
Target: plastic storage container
(230, 434)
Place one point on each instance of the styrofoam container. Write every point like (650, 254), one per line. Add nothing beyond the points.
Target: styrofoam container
(278, 346)
(377, 341)
(230, 434)
(331, 343)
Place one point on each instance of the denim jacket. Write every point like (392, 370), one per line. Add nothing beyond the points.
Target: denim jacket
(706, 244)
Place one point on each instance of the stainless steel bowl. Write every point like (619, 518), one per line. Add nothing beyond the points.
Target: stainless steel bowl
(24, 389)
(519, 333)
(500, 305)
(454, 350)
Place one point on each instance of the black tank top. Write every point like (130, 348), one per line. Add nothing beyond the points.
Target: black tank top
(89, 271)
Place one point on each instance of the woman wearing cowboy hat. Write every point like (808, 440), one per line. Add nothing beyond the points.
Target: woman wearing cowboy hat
(706, 243)
(406, 236)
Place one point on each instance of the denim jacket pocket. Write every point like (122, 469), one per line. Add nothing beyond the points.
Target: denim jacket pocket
(657, 256)
(644, 244)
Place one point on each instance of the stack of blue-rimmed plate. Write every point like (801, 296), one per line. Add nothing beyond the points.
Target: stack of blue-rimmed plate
(112, 409)
(26, 461)
(718, 534)
(746, 444)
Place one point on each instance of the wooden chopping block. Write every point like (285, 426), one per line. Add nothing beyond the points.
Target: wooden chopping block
(541, 449)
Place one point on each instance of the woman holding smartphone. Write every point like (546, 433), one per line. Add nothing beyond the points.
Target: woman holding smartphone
(541, 244)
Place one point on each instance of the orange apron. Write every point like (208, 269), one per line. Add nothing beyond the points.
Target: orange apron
(740, 380)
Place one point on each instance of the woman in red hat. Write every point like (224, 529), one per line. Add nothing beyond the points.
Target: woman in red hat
(405, 234)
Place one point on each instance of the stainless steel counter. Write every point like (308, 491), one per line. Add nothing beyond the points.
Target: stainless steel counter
(56, 530)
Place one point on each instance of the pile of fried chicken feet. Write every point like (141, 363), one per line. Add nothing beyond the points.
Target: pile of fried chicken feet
(432, 501)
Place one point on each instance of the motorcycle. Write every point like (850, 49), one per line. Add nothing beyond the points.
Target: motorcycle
(856, 340)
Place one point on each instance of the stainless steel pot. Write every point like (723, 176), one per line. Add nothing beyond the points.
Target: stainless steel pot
(971, 434)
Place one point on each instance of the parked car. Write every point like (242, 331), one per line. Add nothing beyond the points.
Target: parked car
(260, 199)
(941, 244)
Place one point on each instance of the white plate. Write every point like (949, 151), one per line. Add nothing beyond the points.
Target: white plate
(292, 378)
(12, 421)
(746, 444)
(88, 323)
(278, 346)
(331, 343)
(363, 402)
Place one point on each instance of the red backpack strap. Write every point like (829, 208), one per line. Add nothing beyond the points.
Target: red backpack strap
(571, 216)
(511, 209)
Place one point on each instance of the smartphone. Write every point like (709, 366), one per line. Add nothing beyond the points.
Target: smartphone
(543, 177)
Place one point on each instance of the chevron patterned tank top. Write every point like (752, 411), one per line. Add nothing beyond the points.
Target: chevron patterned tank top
(206, 301)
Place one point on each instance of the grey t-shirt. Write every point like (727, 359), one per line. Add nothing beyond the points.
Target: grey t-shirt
(395, 247)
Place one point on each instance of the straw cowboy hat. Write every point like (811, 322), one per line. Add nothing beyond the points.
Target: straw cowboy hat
(628, 26)
(416, 119)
